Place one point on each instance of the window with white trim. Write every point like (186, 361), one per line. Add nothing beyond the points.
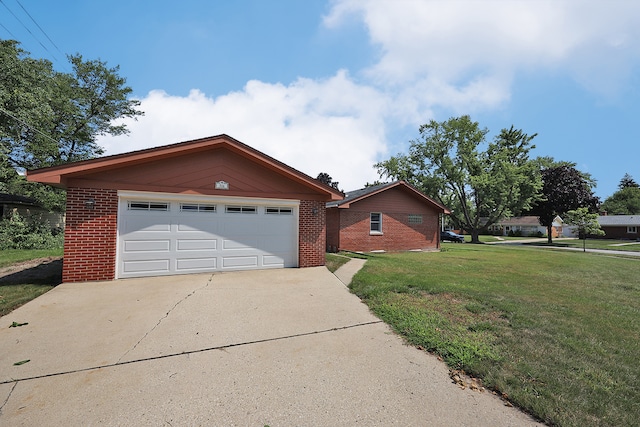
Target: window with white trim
(241, 209)
(278, 211)
(632, 229)
(197, 207)
(147, 206)
(375, 223)
(415, 219)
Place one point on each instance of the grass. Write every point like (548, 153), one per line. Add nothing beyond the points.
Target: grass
(13, 295)
(606, 244)
(557, 332)
(333, 261)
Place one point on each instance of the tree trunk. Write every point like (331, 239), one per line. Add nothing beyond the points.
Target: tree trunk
(549, 233)
(475, 236)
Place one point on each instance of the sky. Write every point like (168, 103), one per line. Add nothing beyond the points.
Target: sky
(337, 85)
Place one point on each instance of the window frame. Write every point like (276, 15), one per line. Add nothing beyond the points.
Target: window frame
(632, 229)
(378, 229)
(415, 219)
(148, 206)
(241, 209)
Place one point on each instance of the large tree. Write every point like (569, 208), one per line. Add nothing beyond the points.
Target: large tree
(625, 201)
(479, 187)
(49, 117)
(564, 188)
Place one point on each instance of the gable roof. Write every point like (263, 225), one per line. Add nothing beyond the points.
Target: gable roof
(357, 195)
(59, 175)
(619, 220)
(530, 220)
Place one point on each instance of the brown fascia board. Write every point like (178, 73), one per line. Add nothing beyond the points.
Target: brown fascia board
(402, 184)
(57, 175)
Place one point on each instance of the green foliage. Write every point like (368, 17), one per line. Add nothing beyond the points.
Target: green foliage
(627, 181)
(625, 201)
(18, 232)
(585, 222)
(563, 188)
(480, 187)
(48, 118)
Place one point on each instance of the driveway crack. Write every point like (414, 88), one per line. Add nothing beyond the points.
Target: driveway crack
(8, 397)
(166, 315)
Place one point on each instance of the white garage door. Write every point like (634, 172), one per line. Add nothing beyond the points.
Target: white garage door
(163, 236)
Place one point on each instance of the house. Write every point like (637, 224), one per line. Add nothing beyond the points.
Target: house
(28, 208)
(388, 217)
(211, 204)
(620, 226)
(525, 226)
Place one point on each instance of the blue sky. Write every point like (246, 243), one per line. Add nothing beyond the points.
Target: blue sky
(334, 86)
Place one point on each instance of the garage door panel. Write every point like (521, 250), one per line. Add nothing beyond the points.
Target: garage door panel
(196, 244)
(196, 263)
(141, 224)
(274, 260)
(245, 242)
(245, 225)
(147, 245)
(240, 261)
(156, 266)
(206, 226)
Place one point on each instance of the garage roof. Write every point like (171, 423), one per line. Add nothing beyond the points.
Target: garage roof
(60, 175)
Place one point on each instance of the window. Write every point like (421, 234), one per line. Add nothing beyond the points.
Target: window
(278, 211)
(632, 229)
(375, 223)
(241, 209)
(197, 207)
(415, 219)
(147, 206)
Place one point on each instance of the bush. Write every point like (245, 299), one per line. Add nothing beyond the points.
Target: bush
(18, 232)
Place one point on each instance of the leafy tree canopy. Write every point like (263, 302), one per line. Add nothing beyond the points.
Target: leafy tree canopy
(325, 178)
(564, 188)
(627, 181)
(48, 117)
(585, 222)
(625, 201)
(479, 186)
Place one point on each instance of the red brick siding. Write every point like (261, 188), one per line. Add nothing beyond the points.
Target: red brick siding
(90, 235)
(397, 233)
(618, 232)
(333, 229)
(312, 234)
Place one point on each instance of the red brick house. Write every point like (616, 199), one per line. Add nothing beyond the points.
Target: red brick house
(388, 217)
(211, 204)
(620, 226)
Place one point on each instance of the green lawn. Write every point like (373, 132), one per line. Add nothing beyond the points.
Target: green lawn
(12, 294)
(609, 244)
(557, 332)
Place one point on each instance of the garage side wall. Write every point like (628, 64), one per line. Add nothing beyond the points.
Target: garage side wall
(333, 229)
(90, 235)
(312, 234)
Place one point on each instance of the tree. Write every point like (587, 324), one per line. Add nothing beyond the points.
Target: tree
(479, 187)
(625, 201)
(325, 178)
(627, 181)
(586, 224)
(49, 118)
(564, 188)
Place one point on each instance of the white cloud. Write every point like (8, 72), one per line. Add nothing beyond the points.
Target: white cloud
(332, 126)
(453, 43)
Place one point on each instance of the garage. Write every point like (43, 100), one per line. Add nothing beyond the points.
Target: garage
(205, 205)
(159, 235)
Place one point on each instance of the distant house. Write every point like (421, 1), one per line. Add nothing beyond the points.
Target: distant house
(28, 207)
(525, 226)
(386, 217)
(620, 226)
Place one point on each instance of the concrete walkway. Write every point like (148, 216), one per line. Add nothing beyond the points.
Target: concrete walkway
(532, 242)
(346, 271)
(273, 347)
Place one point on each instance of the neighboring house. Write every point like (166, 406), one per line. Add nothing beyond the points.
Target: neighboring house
(389, 217)
(211, 204)
(28, 208)
(620, 226)
(525, 226)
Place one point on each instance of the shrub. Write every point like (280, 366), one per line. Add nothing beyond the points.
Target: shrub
(18, 232)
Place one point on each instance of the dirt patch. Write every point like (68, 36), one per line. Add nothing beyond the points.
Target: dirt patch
(41, 270)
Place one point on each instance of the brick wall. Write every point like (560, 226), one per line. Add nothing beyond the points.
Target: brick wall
(90, 235)
(333, 229)
(397, 233)
(312, 234)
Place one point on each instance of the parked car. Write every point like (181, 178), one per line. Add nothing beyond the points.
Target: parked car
(451, 236)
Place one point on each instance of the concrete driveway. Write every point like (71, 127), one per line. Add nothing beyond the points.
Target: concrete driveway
(276, 347)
